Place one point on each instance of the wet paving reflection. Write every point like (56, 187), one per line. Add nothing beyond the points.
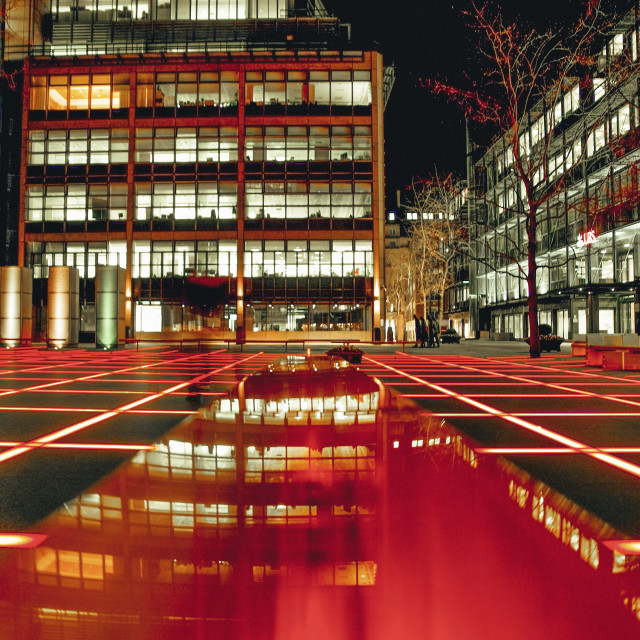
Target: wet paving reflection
(313, 502)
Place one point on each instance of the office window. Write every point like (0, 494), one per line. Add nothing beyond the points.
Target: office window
(78, 147)
(186, 145)
(76, 202)
(308, 144)
(323, 88)
(308, 200)
(301, 259)
(186, 201)
(75, 92)
(85, 256)
(206, 90)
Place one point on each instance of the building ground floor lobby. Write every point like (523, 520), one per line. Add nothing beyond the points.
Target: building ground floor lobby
(571, 316)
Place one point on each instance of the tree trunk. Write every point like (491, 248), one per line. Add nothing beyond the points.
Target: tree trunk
(534, 334)
(400, 328)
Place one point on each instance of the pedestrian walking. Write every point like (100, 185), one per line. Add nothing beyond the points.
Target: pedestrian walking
(424, 333)
(418, 330)
(434, 339)
(437, 330)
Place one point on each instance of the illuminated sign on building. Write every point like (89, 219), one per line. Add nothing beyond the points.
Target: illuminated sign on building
(586, 238)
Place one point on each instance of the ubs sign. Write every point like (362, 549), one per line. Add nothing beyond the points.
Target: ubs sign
(586, 238)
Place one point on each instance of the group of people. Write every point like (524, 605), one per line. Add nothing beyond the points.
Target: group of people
(427, 333)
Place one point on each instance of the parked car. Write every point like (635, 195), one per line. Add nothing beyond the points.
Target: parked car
(450, 336)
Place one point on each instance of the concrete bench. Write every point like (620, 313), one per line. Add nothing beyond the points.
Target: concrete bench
(579, 348)
(602, 345)
(595, 353)
(625, 359)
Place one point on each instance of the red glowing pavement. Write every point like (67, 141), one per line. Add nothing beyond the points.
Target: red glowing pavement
(312, 501)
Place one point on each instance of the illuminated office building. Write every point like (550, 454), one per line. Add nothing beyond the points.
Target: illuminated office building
(228, 154)
(587, 231)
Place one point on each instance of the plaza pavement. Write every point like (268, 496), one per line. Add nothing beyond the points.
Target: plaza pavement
(83, 412)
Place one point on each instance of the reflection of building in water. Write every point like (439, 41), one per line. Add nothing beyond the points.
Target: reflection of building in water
(263, 489)
(578, 531)
(311, 488)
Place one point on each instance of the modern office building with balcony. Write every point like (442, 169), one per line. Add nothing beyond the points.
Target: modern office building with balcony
(588, 231)
(228, 154)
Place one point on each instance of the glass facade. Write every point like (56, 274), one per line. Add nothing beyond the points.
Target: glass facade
(308, 144)
(191, 184)
(76, 203)
(186, 144)
(587, 227)
(312, 200)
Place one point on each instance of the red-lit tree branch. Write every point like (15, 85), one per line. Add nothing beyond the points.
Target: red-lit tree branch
(527, 80)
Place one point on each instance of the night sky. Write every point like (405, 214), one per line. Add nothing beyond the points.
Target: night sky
(431, 39)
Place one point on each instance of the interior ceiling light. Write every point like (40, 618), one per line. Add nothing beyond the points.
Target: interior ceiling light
(24, 540)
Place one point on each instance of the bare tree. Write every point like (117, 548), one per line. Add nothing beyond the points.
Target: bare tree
(535, 84)
(399, 285)
(435, 238)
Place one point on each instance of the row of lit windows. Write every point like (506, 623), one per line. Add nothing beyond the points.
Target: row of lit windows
(317, 258)
(558, 275)
(605, 133)
(66, 568)
(84, 255)
(317, 404)
(554, 522)
(313, 410)
(269, 259)
(186, 201)
(312, 144)
(187, 89)
(164, 259)
(186, 144)
(126, 10)
(199, 89)
(157, 259)
(78, 146)
(338, 87)
(150, 259)
(204, 200)
(315, 200)
(79, 92)
(203, 144)
(76, 202)
(185, 457)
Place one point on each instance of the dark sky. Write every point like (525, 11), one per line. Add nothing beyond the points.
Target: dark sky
(430, 39)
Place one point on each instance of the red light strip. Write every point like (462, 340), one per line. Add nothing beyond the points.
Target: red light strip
(80, 426)
(588, 374)
(21, 540)
(104, 447)
(497, 395)
(593, 452)
(542, 450)
(81, 410)
(527, 414)
(528, 381)
(92, 377)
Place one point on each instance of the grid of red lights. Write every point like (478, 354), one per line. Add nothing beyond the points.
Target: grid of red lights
(551, 377)
(442, 377)
(38, 378)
